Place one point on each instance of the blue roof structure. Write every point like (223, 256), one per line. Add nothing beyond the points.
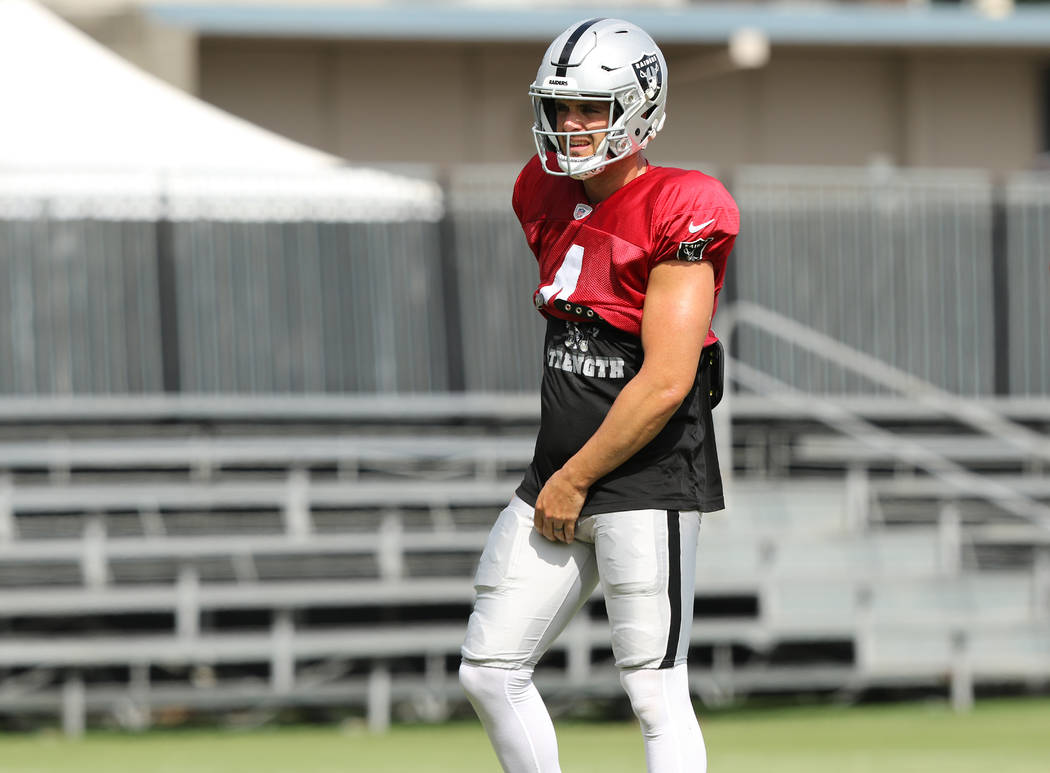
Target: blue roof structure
(817, 24)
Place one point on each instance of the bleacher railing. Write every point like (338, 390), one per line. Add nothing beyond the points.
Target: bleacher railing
(938, 402)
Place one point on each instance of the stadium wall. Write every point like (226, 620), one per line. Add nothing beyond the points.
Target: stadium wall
(840, 106)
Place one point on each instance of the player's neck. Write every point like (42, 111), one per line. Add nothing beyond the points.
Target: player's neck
(616, 175)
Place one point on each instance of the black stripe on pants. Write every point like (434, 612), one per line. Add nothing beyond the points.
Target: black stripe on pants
(674, 586)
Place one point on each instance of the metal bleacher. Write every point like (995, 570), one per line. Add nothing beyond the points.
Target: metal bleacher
(947, 547)
(266, 553)
(248, 544)
(205, 555)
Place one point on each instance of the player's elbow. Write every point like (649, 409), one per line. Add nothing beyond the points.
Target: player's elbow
(669, 395)
(666, 385)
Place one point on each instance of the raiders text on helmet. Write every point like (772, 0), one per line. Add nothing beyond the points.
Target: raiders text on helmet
(603, 60)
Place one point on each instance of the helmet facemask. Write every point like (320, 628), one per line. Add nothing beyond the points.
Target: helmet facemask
(614, 145)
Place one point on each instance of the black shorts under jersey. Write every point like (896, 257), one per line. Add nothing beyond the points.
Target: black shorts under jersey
(586, 364)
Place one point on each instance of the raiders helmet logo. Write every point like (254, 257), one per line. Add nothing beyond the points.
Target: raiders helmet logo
(693, 251)
(650, 76)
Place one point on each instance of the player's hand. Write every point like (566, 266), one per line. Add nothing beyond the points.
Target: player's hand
(557, 508)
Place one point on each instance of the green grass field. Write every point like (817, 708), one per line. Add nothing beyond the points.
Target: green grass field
(998, 737)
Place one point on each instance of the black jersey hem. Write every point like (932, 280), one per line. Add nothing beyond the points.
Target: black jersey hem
(712, 505)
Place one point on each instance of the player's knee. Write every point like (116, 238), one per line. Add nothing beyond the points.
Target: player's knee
(485, 683)
(477, 682)
(644, 688)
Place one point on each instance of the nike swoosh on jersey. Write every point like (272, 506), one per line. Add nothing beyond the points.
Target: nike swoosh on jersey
(697, 228)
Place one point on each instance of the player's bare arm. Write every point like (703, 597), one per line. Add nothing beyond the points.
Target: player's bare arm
(675, 320)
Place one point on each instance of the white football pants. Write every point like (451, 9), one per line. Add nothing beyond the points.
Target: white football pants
(529, 588)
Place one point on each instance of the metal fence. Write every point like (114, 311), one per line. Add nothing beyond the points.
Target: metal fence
(501, 332)
(1028, 283)
(310, 307)
(79, 307)
(932, 272)
(328, 280)
(894, 263)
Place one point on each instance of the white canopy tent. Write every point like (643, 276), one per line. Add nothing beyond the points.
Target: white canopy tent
(86, 134)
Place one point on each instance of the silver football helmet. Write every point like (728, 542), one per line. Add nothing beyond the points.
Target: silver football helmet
(603, 60)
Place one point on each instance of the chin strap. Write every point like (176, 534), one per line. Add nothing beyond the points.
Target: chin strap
(619, 145)
(567, 164)
(589, 173)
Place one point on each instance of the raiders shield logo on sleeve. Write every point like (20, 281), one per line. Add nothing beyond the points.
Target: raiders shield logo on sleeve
(693, 251)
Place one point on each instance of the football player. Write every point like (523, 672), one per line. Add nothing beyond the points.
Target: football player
(631, 259)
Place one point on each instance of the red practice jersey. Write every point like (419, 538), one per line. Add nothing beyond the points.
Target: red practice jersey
(594, 269)
(598, 258)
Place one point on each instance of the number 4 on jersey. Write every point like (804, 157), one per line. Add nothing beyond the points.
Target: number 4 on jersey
(566, 277)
